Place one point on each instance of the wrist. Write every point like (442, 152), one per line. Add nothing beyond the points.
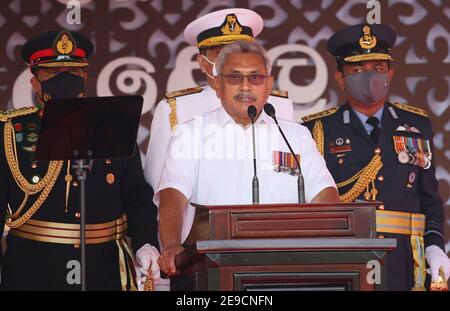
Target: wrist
(172, 246)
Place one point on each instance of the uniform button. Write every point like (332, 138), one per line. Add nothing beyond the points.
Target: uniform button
(34, 165)
(380, 178)
(75, 183)
(76, 245)
(77, 215)
(377, 150)
(380, 236)
(35, 179)
(110, 178)
(108, 161)
(381, 207)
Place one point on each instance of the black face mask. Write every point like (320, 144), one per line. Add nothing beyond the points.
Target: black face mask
(63, 85)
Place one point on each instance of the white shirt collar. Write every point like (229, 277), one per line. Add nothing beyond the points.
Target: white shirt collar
(223, 118)
(209, 91)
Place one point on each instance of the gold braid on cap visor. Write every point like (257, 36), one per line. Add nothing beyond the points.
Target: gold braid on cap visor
(366, 57)
(225, 39)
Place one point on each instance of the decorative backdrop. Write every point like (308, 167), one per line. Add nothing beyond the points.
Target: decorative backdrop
(140, 50)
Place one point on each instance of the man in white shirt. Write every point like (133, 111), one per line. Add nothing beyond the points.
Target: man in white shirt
(209, 33)
(209, 160)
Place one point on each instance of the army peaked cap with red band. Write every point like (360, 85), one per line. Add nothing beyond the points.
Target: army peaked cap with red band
(58, 49)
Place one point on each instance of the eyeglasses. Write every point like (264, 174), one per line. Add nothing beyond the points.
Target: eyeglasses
(237, 78)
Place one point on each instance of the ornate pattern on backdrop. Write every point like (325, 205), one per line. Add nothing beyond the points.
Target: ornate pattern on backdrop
(140, 50)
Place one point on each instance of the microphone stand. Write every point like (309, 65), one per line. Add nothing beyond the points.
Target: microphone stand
(251, 111)
(81, 168)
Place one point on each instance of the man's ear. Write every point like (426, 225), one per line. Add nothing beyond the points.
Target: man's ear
(270, 83)
(35, 84)
(218, 86)
(339, 77)
(390, 74)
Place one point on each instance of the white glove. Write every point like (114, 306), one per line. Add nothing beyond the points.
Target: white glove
(436, 258)
(146, 257)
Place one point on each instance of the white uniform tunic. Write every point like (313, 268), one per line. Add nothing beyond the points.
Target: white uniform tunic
(210, 161)
(187, 107)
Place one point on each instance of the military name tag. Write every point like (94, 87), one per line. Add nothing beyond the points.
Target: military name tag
(340, 145)
(339, 149)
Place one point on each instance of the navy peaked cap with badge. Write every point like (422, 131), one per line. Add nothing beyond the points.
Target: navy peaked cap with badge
(362, 42)
(58, 49)
(223, 27)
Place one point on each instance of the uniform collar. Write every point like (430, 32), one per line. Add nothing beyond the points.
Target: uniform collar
(387, 116)
(350, 118)
(363, 118)
(390, 122)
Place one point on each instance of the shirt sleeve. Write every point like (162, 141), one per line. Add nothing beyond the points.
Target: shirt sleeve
(430, 202)
(180, 168)
(314, 169)
(160, 133)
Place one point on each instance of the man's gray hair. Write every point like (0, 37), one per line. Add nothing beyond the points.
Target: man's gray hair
(242, 46)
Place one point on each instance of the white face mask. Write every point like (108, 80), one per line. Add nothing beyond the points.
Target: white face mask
(214, 70)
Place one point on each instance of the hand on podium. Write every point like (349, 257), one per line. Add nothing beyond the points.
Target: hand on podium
(167, 260)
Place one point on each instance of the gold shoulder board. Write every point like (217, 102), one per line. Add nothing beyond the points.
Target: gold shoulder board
(188, 91)
(411, 109)
(320, 114)
(279, 93)
(13, 113)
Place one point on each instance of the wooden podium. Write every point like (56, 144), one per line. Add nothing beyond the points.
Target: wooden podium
(284, 247)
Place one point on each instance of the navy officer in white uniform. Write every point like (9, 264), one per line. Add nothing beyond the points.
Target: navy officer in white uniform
(209, 33)
(210, 160)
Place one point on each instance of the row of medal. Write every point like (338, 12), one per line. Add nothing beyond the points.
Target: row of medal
(284, 162)
(411, 150)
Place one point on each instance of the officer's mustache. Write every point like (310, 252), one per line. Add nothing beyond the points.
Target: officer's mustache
(244, 96)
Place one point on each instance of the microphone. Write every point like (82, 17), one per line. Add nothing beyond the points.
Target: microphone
(270, 111)
(251, 112)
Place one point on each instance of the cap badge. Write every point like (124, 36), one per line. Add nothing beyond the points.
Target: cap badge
(367, 40)
(231, 26)
(64, 44)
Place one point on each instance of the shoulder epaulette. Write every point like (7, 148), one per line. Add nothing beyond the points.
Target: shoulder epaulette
(411, 109)
(279, 93)
(320, 114)
(179, 93)
(13, 113)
